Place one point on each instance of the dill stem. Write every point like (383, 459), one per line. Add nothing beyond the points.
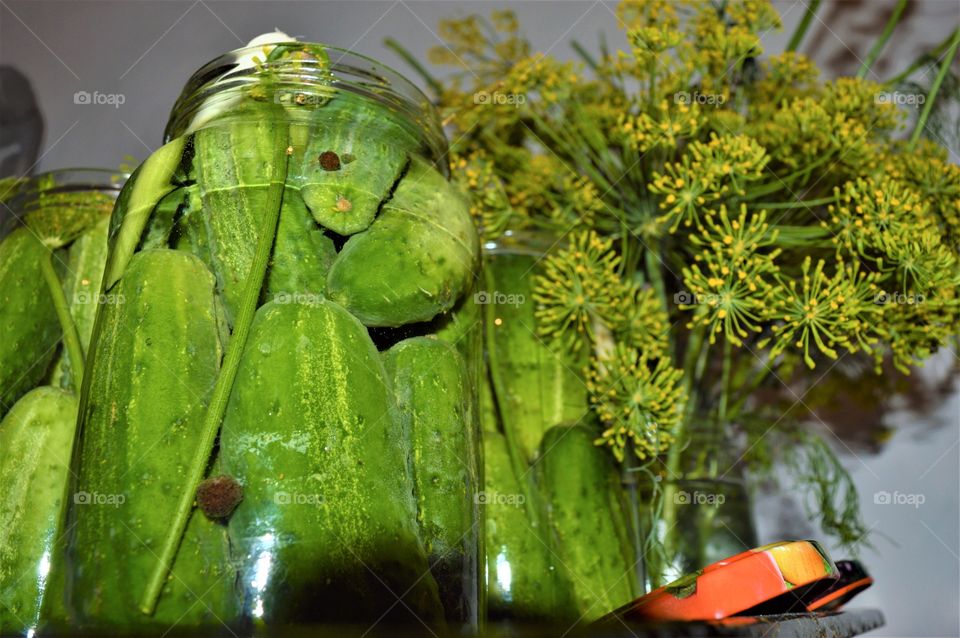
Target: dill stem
(934, 89)
(930, 56)
(882, 40)
(804, 25)
(224, 382)
(694, 361)
(71, 338)
(796, 204)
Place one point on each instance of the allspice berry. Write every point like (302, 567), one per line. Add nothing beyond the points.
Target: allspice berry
(218, 496)
(329, 161)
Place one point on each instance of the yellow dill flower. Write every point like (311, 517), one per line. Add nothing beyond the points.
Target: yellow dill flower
(639, 401)
(650, 41)
(873, 217)
(577, 286)
(733, 160)
(632, 13)
(684, 191)
(664, 128)
(489, 202)
(821, 313)
(861, 100)
(645, 325)
(728, 285)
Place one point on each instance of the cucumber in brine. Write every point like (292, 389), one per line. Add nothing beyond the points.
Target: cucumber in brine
(429, 380)
(586, 510)
(27, 315)
(36, 438)
(327, 529)
(236, 162)
(156, 353)
(353, 159)
(415, 261)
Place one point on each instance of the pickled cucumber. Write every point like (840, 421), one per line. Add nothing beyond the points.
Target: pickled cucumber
(416, 259)
(327, 526)
(158, 354)
(36, 437)
(28, 317)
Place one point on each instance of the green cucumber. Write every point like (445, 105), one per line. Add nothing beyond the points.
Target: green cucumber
(165, 216)
(190, 228)
(302, 254)
(150, 183)
(586, 511)
(415, 261)
(86, 257)
(28, 318)
(156, 355)
(429, 381)
(36, 438)
(536, 385)
(371, 147)
(235, 164)
(326, 529)
(524, 579)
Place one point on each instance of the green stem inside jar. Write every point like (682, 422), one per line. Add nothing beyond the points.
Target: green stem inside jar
(71, 338)
(224, 383)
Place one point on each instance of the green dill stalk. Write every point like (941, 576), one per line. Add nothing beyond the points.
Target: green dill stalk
(221, 391)
(721, 420)
(930, 56)
(694, 362)
(882, 40)
(934, 89)
(796, 204)
(804, 25)
(411, 60)
(71, 338)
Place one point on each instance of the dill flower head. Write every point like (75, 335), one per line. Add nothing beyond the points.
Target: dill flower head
(733, 160)
(579, 285)
(648, 12)
(728, 285)
(650, 41)
(821, 312)
(927, 170)
(873, 217)
(783, 77)
(857, 99)
(684, 191)
(489, 202)
(662, 128)
(646, 325)
(639, 400)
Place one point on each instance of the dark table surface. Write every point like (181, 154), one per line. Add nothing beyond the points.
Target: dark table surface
(816, 625)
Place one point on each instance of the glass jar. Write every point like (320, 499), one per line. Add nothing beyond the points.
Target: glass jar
(702, 514)
(52, 254)
(560, 542)
(276, 427)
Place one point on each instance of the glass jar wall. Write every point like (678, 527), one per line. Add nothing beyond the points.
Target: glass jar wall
(560, 543)
(52, 254)
(280, 412)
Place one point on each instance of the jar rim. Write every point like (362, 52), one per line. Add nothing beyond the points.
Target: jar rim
(60, 180)
(65, 180)
(343, 70)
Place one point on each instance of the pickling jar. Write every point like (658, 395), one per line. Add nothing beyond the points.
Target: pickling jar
(52, 251)
(278, 425)
(560, 542)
